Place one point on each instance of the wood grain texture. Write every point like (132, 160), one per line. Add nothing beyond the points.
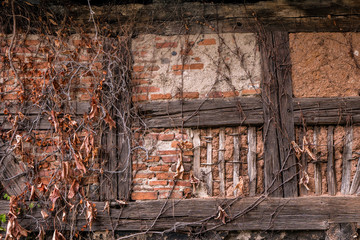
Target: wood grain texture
(309, 213)
(331, 179)
(236, 161)
(249, 111)
(317, 169)
(347, 157)
(168, 18)
(251, 160)
(270, 105)
(285, 129)
(221, 161)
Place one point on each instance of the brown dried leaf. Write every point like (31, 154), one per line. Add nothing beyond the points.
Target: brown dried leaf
(58, 236)
(14, 230)
(73, 189)
(79, 164)
(110, 121)
(90, 213)
(179, 168)
(32, 193)
(107, 207)
(55, 194)
(222, 215)
(44, 214)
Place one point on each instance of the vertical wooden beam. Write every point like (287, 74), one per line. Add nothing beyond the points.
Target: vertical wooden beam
(236, 162)
(286, 130)
(331, 180)
(209, 177)
(317, 169)
(196, 163)
(269, 86)
(278, 115)
(356, 181)
(124, 166)
(303, 162)
(347, 156)
(221, 161)
(251, 160)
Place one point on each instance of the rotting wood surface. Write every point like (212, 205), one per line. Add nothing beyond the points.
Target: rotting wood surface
(249, 111)
(301, 213)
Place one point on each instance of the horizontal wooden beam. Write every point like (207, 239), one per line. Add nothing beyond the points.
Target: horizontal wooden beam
(169, 18)
(302, 213)
(247, 111)
(35, 116)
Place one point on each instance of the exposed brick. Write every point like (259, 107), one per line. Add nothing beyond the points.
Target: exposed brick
(166, 45)
(168, 152)
(174, 195)
(174, 144)
(138, 68)
(197, 66)
(144, 195)
(246, 92)
(166, 137)
(209, 41)
(146, 89)
(180, 67)
(165, 176)
(139, 98)
(158, 182)
(145, 175)
(230, 94)
(153, 68)
(191, 95)
(187, 52)
(169, 159)
(32, 42)
(163, 168)
(141, 75)
(197, 59)
(139, 166)
(136, 82)
(160, 96)
(153, 159)
(181, 183)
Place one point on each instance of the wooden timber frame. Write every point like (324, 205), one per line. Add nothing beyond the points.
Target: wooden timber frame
(277, 111)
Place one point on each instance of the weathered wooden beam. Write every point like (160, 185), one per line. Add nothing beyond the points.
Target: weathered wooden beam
(331, 179)
(302, 213)
(169, 18)
(270, 105)
(346, 161)
(248, 111)
(285, 125)
(317, 167)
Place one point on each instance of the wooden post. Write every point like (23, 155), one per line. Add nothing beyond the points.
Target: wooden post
(331, 180)
(196, 164)
(221, 161)
(251, 160)
(347, 157)
(278, 115)
(209, 178)
(304, 165)
(236, 161)
(317, 173)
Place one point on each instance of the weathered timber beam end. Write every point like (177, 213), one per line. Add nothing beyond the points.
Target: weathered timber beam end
(248, 111)
(302, 213)
(168, 18)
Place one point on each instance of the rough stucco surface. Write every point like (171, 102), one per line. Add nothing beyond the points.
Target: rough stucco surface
(211, 62)
(325, 64)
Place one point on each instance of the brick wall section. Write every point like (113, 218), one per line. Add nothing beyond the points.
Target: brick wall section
(37, 60)
(153, 177)
(196, 65)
